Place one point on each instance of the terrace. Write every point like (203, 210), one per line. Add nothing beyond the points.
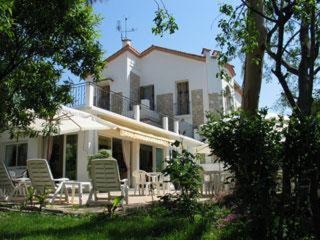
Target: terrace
(88, 94)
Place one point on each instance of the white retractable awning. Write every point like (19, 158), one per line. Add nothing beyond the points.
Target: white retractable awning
(71, 120)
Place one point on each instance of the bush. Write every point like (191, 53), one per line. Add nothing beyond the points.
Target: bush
(186, 175)
(102, 154)
(250, 148)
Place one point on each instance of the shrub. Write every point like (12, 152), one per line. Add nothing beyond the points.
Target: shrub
(186, 175)
(103, 153)
(250, 147)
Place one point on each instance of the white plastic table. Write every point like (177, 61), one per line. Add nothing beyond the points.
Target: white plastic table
(79, 185)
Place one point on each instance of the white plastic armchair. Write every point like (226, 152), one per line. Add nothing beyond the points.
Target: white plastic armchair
(140, 181)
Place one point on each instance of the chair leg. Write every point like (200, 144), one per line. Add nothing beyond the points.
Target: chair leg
(90, 197)
(61, 185)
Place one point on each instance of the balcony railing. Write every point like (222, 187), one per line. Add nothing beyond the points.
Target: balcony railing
(89, 94)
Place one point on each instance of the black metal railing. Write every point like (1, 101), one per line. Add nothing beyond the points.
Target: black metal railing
(117, 103)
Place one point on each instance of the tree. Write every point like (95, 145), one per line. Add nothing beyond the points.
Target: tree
(39, 40)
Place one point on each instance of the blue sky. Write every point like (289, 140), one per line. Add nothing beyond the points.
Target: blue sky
(197, 22)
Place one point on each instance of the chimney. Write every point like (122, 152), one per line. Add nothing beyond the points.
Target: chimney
(126, 41)
(206, 52)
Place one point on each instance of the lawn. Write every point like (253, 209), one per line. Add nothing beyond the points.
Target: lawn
(153, 224)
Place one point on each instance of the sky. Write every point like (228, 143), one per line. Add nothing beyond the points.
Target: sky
(198, 27)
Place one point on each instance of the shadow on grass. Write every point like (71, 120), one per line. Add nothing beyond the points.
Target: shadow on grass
(130, 227)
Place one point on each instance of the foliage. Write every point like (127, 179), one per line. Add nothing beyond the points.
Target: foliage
(41, 198)
(186, 175)
(102, 154)
(39, 40)
(301, 174)
(250, 148)
(30, 195)
(112, 207)
(164, 21)
(292, 43)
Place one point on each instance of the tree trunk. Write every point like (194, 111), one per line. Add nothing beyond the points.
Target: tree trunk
(253, 70)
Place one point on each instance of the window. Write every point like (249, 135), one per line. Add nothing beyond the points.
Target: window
(182, 98)
(71, 156)
(16, 154)
(147, 92)
(146, 158)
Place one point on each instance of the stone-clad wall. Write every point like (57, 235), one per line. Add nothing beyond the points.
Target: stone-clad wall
(215, 103)
(165, 106)
(135, 88)
(197, 107)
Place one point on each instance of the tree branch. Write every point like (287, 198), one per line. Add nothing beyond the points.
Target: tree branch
(258, 12)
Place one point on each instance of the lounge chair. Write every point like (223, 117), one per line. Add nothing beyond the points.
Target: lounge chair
(7, 188)
(106, 178)
(42, 180)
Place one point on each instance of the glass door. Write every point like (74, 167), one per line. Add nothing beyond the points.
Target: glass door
(71, 156)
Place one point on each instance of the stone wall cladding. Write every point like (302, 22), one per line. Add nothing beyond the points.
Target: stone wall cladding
(165, 106)
(215, 103)
(135, 87)
(197, 107)
(117, 103)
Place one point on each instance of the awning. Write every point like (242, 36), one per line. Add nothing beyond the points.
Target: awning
(203, 149)
(144, 137)
(71, 120)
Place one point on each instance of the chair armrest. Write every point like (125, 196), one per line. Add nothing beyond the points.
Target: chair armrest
(61, 179)
(124, 181)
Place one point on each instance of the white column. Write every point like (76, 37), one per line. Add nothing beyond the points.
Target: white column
(89, 94)
(136, 112)
(165, 123)
(176, 126)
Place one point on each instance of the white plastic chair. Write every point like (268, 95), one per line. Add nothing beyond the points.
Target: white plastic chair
(42, 179)
(106, 178)
(140, 181)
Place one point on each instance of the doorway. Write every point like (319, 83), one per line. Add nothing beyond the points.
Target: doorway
(117, 153)
(146, 159)
(56, 160)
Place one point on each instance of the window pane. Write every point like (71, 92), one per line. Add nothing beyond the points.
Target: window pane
(10, 155)
(71, 156)
(22, 154)
(159, 159)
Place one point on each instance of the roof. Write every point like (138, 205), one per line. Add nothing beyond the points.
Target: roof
(152, 48)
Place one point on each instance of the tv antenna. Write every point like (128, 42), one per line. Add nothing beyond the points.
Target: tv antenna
(124, 32)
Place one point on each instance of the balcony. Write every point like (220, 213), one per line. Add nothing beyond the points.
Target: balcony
(88, 94)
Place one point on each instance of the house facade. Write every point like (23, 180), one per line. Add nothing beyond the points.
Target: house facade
(180, 85)
(151, 99)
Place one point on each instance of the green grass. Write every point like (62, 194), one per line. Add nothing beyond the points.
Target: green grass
(142, 225)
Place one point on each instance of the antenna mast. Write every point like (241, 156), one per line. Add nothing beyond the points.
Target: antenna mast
(124, 33)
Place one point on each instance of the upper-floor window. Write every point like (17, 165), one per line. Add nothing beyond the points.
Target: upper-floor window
(147, 92)
(183, 98)
(16, 154)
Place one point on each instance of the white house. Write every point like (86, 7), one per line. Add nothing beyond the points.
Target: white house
(151, 99)
(178, 84)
